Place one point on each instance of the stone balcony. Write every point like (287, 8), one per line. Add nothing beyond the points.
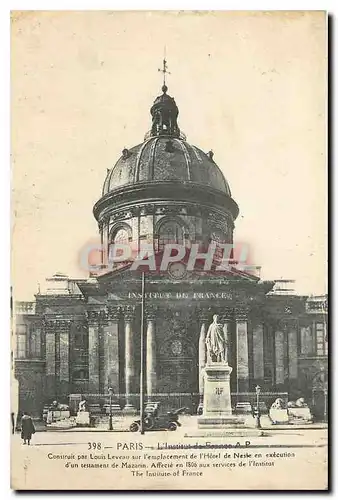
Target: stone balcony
(317, 305)
(24, 307)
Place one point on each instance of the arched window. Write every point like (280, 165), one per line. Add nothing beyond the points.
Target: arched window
(121, 236)
(170, 232)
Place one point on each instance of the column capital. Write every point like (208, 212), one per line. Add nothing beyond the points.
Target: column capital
(93, 317)
(49, 324)
(114, 313)
(103, 317)
(202, 314)
(227, 314)
(241, 313)
(64, 324)
(128, 312)
(150, 313)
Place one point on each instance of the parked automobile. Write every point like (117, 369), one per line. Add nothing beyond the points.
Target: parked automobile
(155, 421)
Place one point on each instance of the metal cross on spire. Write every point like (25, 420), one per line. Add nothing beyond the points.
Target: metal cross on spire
(164, 70)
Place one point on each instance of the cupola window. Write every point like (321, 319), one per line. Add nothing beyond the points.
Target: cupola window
(121, 236)
(170, 232)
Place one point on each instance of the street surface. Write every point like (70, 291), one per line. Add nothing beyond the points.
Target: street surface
(299, 458)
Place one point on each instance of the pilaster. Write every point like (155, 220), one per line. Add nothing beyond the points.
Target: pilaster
(241, 315)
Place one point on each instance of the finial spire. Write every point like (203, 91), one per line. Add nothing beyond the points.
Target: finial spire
(164, 111)
(164, 70)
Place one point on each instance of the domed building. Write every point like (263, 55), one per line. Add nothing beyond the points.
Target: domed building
(165, 190)
(82, 338)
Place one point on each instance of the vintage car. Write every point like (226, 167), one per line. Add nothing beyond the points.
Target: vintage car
(154, 421)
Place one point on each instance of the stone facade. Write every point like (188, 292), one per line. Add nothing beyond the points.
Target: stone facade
(83, 336)
(86, 349)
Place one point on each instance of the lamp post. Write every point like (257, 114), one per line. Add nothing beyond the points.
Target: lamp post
(258, 412)
(142, 356)
(325, 403)
(110, 408)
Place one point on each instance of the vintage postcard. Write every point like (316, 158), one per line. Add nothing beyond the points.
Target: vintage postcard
(169, 250)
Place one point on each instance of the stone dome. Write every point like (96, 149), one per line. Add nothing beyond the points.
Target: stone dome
(165, 158)
(163, 174)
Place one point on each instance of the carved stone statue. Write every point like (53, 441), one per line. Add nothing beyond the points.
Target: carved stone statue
(300, 403)
(279, 404)
(83, 405)
(216, 343)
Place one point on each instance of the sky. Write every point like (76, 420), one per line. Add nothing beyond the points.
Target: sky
(249, 86)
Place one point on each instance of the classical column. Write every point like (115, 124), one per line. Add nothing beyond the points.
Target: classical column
(50, 358)
(242, 350)
(279, 355)
(227, 318)
(93, 352)
(202, 355)
(150, 354)
(63, 331)
(292, 349)
(258, 352)
(110, 344)
(129, 365)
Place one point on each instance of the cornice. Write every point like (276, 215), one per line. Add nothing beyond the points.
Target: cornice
(164, 191)
(214, 217)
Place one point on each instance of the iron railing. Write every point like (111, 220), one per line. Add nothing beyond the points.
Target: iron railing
(173, 400)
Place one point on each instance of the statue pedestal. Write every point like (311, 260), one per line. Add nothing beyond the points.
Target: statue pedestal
(279, 416)
(217, 411)
(300, 415)
(83, 418)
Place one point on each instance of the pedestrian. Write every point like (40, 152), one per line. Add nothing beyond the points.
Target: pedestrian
(27, 428)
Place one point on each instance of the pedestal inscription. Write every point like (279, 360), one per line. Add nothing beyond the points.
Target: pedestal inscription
(217, 411)
(217, 398)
